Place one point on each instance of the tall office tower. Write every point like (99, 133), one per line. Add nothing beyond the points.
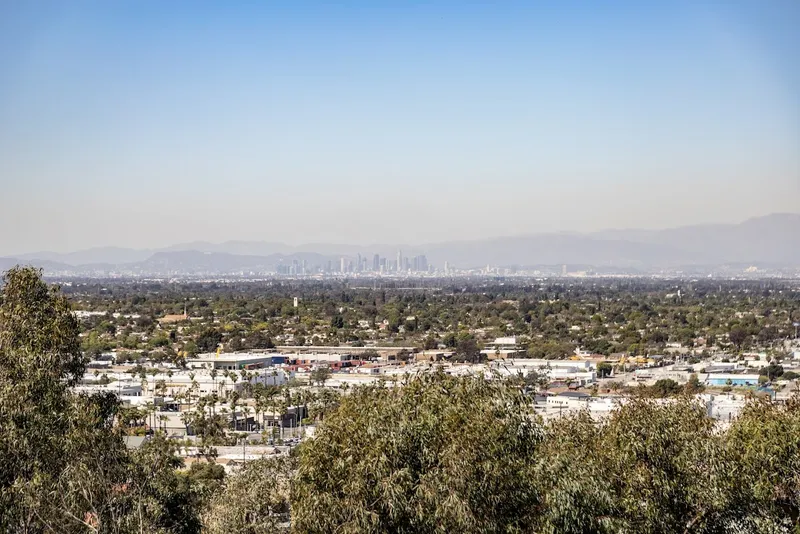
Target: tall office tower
(423, 263)
(358, 263)
(382, 265)
(376, 263)
(564, 270)
(399, 260)
(342, 265)
(446, 268)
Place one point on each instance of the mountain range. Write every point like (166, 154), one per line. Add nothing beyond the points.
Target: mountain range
(772, 240)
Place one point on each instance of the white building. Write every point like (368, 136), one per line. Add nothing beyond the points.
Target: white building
(502, 348)
(235, 361)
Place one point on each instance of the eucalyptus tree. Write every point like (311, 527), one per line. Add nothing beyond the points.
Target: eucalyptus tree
(440, 454)
(254, 501)
(65, 467)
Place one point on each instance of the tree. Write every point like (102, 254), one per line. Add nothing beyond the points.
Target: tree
(320, 375)
(738, 336)
(235, 344)
(403, 355)
(37, 320)
(772, 371)
(450, 340)
(656, 460)
(190, 349)
(467, 350)
(258, 340)
(534, 379)
(760, 450)
(604, 369)
(64, 467)
(255, 501)
(440, 454)
(665, 387)
(209, 340)
(693, 386)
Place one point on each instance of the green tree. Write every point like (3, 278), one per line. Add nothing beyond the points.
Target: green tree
(440, 454)
(738, 336)
(209, 340)
(772, 371)
(604, 369)
(467, 350)
(657, 459)
(320, 375)
(255, 501)
(693, 386)
(665, 387)
(64, 467)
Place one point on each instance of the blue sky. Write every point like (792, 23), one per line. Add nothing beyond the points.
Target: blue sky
(148, 123)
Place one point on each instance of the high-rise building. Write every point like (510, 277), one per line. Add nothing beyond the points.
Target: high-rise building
(342, 265)
(446, 268)
(399, 260)
(376, 263)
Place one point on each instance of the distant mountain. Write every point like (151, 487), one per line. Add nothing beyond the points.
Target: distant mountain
(45, 265)
(774, 239)
(550, 249)
(265, 248)
(110, 255)
(194, 262)
(770, 240)
(243, 248)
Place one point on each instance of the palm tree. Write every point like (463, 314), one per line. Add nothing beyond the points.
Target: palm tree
(234, 400)
(163, 419)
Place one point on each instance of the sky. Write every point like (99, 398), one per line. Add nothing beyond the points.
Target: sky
(148, 123)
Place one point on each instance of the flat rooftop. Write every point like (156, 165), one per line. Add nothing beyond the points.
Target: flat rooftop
(233, 357)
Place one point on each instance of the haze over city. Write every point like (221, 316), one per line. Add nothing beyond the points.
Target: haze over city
(420, 267)
(146, 124)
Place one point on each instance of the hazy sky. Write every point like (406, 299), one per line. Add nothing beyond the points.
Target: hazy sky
(148, 123)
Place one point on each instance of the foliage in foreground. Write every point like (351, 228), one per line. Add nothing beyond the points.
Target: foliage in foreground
(448, 454)
(63, 466)
(438, 454)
